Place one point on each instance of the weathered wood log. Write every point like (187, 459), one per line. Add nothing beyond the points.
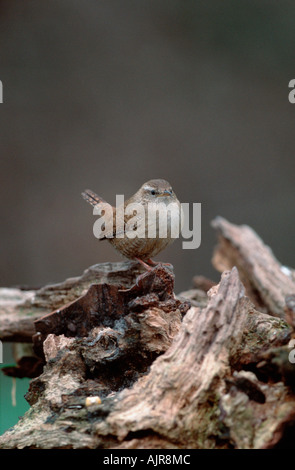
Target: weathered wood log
(127, 364)
(20, 308)
(267, 282)
(290, 311)
(16, 321)
(195, 394)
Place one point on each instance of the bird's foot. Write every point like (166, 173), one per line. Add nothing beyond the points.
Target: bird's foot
(149, 266)
(140, 278)
(138, 282)
(157, 263)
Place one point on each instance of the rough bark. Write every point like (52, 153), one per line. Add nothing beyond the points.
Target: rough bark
(267, 282)
(127, 364)
(20, 307)
(193, 395)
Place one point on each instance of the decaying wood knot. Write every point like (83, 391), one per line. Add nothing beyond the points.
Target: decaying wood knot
(106, 304)
(118, 332)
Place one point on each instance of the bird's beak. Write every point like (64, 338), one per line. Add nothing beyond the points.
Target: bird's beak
(165, 193)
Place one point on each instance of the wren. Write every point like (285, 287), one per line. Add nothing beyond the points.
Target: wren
(158, 221)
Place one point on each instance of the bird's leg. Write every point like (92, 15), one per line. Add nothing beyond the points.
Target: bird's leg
(153, 263)
(142, 276)
(147, 267)
(156, 263)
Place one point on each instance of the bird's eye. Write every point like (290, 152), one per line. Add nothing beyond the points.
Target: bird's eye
(153, 192)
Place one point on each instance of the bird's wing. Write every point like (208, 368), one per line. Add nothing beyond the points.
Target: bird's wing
(134, 221)
(137, 219)
(123, 228)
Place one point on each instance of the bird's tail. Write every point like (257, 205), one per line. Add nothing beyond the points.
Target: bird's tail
(92, 197)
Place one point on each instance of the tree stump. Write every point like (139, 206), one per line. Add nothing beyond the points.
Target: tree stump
(127, 364)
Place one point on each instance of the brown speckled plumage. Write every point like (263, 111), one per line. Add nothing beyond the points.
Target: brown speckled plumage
(151, 194)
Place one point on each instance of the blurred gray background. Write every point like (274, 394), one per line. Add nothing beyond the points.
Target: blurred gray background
(106, 94)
